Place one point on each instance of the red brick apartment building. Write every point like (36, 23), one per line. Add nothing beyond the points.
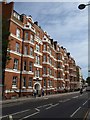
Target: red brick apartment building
(37, 61)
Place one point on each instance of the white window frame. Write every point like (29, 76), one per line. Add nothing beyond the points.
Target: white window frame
(17, 47)
(30, 82)
(37, 48)
(24, 65)
(31, 51)
(37, 59)
(32, 38)
(44, 70)
(37, 73)
(24, 82)
(25, 50)
(31, 66)
(18, 33)
(16, 62)
(14, 81)
(44, 47)
(44, 58)
(26, 35)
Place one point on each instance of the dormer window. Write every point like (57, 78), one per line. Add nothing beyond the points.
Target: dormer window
(16, 15)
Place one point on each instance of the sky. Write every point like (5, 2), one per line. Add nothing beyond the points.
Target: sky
(65, 23)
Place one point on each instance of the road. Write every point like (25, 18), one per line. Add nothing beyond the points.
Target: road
(74, 105)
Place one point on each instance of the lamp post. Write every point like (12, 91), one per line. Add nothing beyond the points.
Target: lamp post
(82, 6)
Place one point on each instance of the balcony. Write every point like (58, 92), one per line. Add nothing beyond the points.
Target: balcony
(29, 27)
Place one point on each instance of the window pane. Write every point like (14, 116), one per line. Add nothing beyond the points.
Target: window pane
(24, 65)
(17, 47)
(25, 50)
(18, 33)
(14, 81)
(15, 64)
(30, 82)
(26, 36)
(31, 51)
(37, 48)
(32, 38)
(24, 81)
(30, 66)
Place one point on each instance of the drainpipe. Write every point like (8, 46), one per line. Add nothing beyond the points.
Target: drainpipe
(21, 69)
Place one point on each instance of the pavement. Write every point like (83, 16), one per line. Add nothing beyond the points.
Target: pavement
(19, 99)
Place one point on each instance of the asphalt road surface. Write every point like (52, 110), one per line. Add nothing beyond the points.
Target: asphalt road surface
(74, 105)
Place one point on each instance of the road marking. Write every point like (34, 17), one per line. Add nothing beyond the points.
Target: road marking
(52, 106)
(75, 97)
(47, 105)
(55, 105)
(75, 112)
(37, 109)
(80, 95)
(85, 102)
(66, 100)
(16, 113)
(39, 106)
(46, 98)
(29, 116)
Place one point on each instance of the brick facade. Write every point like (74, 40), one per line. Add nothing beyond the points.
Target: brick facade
(37, 61)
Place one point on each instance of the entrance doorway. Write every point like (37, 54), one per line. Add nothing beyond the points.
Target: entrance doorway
(37, 87)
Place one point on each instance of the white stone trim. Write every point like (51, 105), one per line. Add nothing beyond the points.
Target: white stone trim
(27, 72)
(28, 41)
(38, 78)
(36, 65)
(39, 53)
(22, 26)
(14, 36)
(14, 52)
(12, 70)
(60, 79)
(28, 56)
(37, 39)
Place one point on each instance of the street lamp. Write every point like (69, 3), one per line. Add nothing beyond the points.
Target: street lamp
(82, 6)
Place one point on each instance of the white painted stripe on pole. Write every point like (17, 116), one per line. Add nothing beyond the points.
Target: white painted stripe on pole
(75, 112)
(85, 102)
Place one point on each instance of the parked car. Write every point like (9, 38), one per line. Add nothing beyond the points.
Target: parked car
(88, 88)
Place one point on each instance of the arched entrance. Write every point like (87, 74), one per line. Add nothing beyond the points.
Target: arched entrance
(37, 87)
